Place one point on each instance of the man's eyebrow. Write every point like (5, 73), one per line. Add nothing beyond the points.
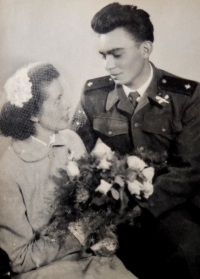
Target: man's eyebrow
(111, 51)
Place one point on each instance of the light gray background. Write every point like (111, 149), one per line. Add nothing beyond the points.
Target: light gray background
(58, 31)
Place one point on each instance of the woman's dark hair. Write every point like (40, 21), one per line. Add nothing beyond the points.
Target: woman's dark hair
(135, 21)
(16, 121)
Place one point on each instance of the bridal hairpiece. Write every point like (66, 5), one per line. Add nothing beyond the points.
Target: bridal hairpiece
(18, 88)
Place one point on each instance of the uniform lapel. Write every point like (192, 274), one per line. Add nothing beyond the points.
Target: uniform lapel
(151, 92)
(118, 95)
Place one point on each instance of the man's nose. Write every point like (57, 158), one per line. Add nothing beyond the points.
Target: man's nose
(109, 63)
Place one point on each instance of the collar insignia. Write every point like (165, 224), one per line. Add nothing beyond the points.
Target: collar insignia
(89, 84)
(187, 86)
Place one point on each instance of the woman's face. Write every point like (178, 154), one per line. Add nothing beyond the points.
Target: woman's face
(54, 113)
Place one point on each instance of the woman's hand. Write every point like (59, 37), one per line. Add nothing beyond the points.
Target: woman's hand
(79, 230)
(105, 247)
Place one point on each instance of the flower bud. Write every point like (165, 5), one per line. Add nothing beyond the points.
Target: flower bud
(72, 169)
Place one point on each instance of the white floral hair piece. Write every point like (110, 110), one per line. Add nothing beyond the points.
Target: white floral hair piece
(18, 88)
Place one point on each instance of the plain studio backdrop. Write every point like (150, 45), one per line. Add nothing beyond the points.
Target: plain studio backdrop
(59, 32)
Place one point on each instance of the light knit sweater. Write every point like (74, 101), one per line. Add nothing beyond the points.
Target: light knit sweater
(26, 199)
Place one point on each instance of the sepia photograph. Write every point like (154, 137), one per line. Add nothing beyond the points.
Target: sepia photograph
(99, 139)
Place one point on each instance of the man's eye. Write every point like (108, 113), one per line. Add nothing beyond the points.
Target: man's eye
(103, 56)
(117, 55)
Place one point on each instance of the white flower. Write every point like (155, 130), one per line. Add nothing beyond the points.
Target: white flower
(18, 88)
(104, 187)
(147, 189)
(102, 151)
(148, 173)
(104, 164)
(72, 169)
(135, 163)
(134, 187)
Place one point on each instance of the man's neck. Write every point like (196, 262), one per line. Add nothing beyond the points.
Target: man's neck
(141, 90)
(141, 78)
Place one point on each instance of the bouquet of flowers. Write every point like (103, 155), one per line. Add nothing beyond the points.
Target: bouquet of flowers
(99, 192)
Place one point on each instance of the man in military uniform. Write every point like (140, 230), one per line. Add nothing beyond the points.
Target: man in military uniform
(141, 109)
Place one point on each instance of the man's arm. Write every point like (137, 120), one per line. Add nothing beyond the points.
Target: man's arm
(82, 125)
(181, 182)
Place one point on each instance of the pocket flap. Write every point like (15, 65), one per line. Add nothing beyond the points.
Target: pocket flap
(110, 126)
(161, 125)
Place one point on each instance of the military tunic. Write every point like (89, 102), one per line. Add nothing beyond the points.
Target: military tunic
(164, 129)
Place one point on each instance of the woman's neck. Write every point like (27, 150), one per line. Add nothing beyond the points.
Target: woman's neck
(43, 134)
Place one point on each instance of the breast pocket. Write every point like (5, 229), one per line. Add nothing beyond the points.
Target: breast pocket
(110, 126)
(164, 126)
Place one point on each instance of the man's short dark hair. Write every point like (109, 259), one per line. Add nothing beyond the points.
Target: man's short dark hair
(135, 21)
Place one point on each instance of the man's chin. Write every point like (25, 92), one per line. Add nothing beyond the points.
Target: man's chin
(119, 82)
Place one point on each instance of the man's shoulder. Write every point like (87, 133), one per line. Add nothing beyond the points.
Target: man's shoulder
(100, 83)
(176, 84)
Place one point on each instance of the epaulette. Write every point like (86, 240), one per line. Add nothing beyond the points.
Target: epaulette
(98, 83)
(177, 85)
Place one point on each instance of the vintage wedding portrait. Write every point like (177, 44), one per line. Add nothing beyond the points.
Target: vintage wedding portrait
(99, 139)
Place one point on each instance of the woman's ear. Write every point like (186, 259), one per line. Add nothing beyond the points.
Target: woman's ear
(34, 119)
(146, 48)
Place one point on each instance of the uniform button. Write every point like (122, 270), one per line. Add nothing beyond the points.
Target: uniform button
(141, 148)
(163, 130)
(109, 133)
(136, 125)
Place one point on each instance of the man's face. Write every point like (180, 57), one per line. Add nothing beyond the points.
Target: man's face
(123, 57)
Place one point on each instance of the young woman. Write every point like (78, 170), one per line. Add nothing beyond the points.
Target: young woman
(36, 116)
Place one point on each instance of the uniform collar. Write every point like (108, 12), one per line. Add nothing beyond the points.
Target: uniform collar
(32, 149)
(118, 94)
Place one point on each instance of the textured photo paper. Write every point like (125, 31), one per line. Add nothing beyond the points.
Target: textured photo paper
(59, 32)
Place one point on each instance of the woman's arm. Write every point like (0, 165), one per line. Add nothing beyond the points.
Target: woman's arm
(26, 249)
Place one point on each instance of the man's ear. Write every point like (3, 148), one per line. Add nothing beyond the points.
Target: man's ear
(34, 119)
(146, 48)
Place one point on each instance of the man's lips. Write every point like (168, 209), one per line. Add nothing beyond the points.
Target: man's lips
(115, 75)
